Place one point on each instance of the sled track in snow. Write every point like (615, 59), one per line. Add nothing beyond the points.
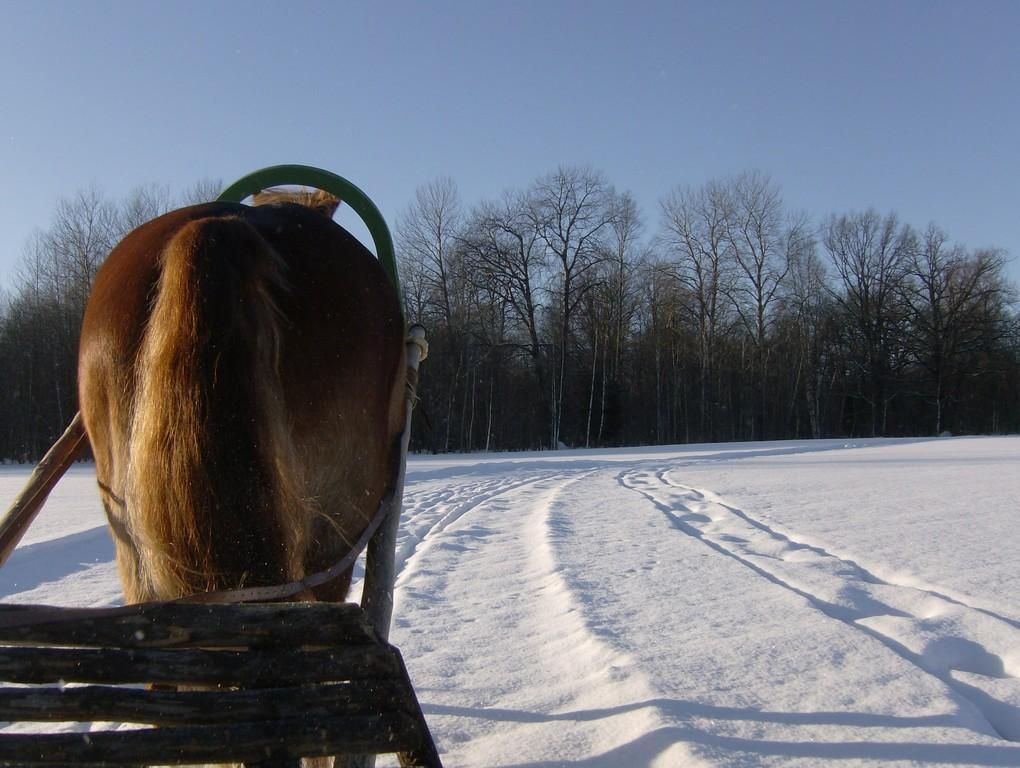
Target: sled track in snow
(974, 651)
(420, 528)
(525, 518)
(864, 575)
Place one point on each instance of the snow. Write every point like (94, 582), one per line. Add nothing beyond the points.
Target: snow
(752, 604)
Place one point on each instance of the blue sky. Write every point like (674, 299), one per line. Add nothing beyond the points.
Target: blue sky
(911, 107)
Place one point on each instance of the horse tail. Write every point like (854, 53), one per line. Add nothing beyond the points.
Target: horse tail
(213, 492)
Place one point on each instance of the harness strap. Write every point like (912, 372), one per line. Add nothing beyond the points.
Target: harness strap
(291, 589)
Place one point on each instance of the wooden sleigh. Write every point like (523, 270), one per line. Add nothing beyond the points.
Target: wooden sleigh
(281, 680)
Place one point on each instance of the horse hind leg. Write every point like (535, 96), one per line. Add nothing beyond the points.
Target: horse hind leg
(129, 561)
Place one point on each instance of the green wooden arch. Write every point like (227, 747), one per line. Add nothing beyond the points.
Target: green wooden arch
(308, 176)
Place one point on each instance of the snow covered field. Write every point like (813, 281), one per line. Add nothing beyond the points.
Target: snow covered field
(788, 603)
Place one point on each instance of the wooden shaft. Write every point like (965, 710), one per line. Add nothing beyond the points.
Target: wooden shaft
(380, 572)
(28, 503)
(377, 598)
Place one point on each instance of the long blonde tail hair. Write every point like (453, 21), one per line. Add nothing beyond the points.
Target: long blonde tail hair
(214, 499)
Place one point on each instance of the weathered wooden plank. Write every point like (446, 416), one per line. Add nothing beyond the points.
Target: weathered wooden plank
(183, 625)
(163, 707)
(195, 666)
(242, 742)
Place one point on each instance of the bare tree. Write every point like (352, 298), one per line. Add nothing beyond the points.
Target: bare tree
(760, 243)
(84, 230)
(696, 226)
(202, 191)
(571, 210)
(428, 237)
(955, 300)
(807, 302)
(505, 258)
(609, 309)
(870, 256)
(141, 205)
(41, 330)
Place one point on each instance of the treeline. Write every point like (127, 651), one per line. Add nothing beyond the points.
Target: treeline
(41, 311)
(560, 315)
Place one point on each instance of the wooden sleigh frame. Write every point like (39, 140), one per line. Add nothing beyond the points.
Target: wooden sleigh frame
(289, 680)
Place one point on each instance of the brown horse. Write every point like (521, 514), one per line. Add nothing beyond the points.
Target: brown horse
(241, 379)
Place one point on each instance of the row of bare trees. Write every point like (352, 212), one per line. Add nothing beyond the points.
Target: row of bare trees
(557, 317)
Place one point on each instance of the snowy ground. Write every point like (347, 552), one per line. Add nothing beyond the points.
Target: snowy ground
(793, 603)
